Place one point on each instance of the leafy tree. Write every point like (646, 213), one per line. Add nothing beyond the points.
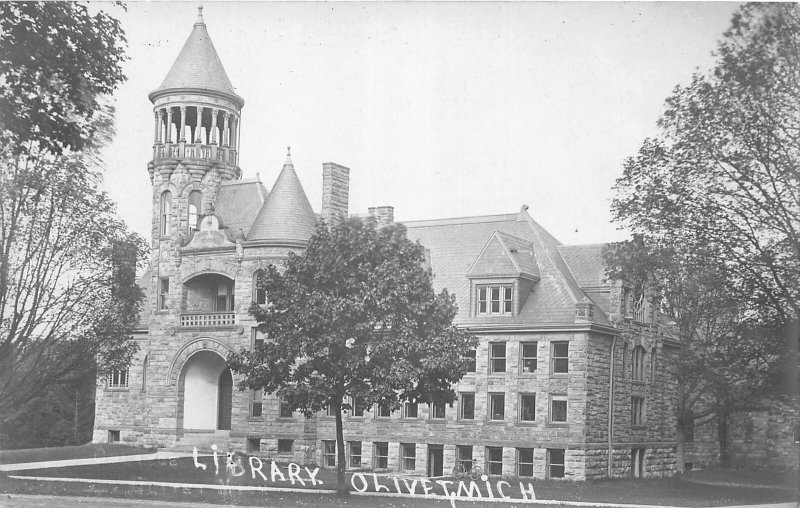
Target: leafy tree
(56, 62)
(354, 322)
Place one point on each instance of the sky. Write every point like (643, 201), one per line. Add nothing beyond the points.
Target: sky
(441, 110)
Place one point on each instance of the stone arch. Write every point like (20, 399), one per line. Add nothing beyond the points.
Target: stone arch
(213, 269)
(190, 348)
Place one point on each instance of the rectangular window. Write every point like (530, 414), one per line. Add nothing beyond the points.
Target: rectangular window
(354, 454)
(329, 453)
(381, 455)
(256, 403)
(410, 410)
(638, 363)
(559, 357)
(355, 412)
(525, 462)
(113, 436)
(555, 463)
(408, 456)
(495, 300)
(329, 411)
(254, 444)
(224, 297)
(527, 407)
(285, 446)
(497, 357)
(637, 407)
(464, 457)
(163, 293)
(259, 289)
(118, 378)
(383, 411)
(256, 339)
(497, 406)
(471, 360)
(558, 409)
(528, 357)
(285, 410)
(466, 406)
(494, 460)
(438, 409)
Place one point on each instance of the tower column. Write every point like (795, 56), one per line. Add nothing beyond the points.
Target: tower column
(225, 134)
(234, 131)
(182, 133)
(169, 125)
(160, 131)
(155, 133)
(214, 112)
(198, 130)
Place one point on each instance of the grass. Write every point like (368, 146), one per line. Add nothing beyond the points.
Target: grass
(765, 477)
(70, 452)
(672, 491)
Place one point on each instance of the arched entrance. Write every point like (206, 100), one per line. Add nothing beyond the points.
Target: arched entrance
(207, 388)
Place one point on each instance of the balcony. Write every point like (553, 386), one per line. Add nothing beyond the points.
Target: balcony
(208, 320)
(183, 150)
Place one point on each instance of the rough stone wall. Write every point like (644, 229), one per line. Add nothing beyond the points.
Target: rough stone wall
(335, 191)
(703, 451)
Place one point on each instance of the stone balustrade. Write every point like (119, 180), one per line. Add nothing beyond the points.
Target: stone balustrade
(183, 150)
(211, 319)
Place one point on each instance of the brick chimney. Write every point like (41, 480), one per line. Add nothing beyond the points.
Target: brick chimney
(335, 191)
(383, 214)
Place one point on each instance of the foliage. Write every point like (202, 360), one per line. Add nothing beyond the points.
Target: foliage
(56, 61)
(67, 272)
(355, 318)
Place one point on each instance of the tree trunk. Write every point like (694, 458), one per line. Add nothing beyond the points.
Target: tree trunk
(722, 433)
(340, 464)
(680, 435)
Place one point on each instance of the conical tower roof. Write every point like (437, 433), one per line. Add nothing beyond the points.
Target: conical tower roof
(287, 214)
(198, 67)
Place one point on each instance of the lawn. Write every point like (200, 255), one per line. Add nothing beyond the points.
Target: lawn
(70, 452)
(663, 491)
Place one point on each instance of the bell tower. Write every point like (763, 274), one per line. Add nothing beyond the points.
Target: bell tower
(196, 137)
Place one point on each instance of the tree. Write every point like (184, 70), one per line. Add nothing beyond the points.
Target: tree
(56, 62)
(354, 322)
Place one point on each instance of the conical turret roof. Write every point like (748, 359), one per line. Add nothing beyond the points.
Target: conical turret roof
(198, 66)
(287, 214)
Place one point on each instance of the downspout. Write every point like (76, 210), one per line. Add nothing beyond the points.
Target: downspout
(611, 403)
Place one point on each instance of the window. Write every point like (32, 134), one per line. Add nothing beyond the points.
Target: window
(355, 412)
(330, 411)
(438, 409)
(640, 307)
(286, 445)
(381, 455)
(329, 453)
(638, 363)
(558, 409)
(256, 403)
(525, 462)
(497, 357)
(285, 410)
(163, 293)
(494, 300)
(748, 430)
(494, 460)
(225, 296)
(354, 453)
(408, 456)
(466, 406)
(527, 407)
(256, 339)
(410, 410)
(796, 433)
(144, 372)
(464, 457)
(471, 361)
(625, 362)
(559, 357)
(637, 462)
(555, 463)
(259, 289)
(637, 406)
(195, 205)
(118, 378)
(653, 356)
(527, 359)
(497, 402)
(166, 213)
(254, 444)
(383, 411)
(688, 429)
(113, 436)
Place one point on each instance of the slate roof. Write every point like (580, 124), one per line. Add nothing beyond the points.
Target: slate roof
(198, 66)
(238, 202)
(455, 244)
(286, 214)
(505, 255)
(587, 263)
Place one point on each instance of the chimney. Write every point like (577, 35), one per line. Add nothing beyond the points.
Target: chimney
(335, 192)
(383, 215)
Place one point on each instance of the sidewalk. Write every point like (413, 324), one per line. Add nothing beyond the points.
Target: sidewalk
(25, 466)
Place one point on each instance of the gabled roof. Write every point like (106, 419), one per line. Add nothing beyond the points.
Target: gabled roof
(586, 263)
(286, 214)
(505, 255)
(238, 202)
(198, 66)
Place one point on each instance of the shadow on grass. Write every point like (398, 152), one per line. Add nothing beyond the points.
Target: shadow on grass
(86, 451)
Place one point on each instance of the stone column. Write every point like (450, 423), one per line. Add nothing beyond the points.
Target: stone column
(155, 134)
(214, 112)
(234, 131)
(225, 134)
(182, 133)
(169, 125)
(198, 130)
(160, 138)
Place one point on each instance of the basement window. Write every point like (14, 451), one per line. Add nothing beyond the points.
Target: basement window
(113, 436)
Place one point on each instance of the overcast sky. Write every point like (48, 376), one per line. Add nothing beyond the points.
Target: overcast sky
(439, 109)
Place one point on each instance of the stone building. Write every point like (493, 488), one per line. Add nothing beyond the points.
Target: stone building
(570, 378)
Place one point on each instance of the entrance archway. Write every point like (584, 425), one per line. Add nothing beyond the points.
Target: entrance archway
(207, 392)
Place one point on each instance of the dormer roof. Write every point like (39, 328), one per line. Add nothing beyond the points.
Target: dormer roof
(505, 255)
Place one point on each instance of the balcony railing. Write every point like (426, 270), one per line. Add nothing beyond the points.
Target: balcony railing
(208, 319)
(181, 150)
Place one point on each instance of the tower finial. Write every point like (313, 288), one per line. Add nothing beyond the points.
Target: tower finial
(288, 151)
(200, 20)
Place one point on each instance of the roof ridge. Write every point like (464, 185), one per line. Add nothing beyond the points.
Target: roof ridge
(535, 228)
(470, 219)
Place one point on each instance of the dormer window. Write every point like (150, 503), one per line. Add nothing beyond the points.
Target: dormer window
(495, 300)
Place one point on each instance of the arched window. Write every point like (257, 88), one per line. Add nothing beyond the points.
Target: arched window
(259, 290)
(195, 205)
(638, 363)
(144, 372)
(625, 362)
(166, 212)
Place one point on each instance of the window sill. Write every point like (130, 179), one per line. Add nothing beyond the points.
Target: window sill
(286, 418)
(638, 382)
(409, 419)
(558, 424)
(527, 374)
(497, 374)
(118, 389)
(255, 418)
(528, 423)
(437, 420)
(559, 374)
(471, 422)
(495, 422)
(638, 427)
